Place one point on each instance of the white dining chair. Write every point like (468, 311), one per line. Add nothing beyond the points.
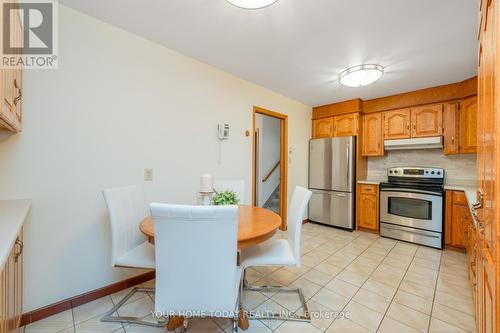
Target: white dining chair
(281, 252)
(196, 261)
(237, 186)
(127, 206)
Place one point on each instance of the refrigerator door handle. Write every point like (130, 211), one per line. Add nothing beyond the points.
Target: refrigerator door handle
(348, 166)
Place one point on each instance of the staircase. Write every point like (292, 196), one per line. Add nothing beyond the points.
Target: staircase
(273, 203)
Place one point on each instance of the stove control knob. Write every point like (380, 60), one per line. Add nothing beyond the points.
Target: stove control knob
(390, 171)
(432, 172)
(439, 172)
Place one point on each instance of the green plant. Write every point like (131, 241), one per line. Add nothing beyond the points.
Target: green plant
(225, 198)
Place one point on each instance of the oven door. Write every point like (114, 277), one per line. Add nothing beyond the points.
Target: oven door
(412, 208)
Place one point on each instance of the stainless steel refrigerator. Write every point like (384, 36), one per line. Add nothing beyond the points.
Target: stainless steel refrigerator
(332, 174)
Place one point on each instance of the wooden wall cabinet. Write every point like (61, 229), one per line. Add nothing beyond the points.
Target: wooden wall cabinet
(457, 219)
(397, 124)
(322, 128)
(372, 135)
(468, 125)
(460, 127)
(368, 207)
(346, 125)
(427, 121)
(11, 85)
(11, 295)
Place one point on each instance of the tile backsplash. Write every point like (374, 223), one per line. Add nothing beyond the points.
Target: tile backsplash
(458, 168)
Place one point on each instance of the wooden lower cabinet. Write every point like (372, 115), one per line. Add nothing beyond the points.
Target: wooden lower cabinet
(368, 207)
(11, 295)
(457, 219)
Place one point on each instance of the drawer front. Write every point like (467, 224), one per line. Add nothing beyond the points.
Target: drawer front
(368, 189)
(459, 198)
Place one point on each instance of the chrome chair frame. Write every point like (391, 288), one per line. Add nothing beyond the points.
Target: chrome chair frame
(108, 316)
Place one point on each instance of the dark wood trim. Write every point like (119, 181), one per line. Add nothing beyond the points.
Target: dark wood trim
(305, 221)
(439, 94)
(271, 172)
(74, 301)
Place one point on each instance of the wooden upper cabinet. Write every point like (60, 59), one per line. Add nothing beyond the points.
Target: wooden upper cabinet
(427, 121)
(451, 128)
(322, 128)
(468, 120)
(397, 124)
(372, 142)
(346, 125)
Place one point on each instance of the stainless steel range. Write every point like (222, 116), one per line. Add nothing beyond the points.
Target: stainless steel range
(411, 205)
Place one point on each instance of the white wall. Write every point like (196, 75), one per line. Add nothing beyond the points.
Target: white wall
(116, 105)
(458, 168)
(269, 155)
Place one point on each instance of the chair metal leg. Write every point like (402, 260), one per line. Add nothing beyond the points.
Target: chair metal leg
(108, 316)
(304, 318)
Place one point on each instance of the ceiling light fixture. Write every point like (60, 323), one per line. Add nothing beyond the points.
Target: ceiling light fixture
(252, 4)
(361, 75)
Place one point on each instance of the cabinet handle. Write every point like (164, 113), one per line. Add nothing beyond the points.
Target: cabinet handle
(19, 94)
(408, 126)
(21, 248)
(452, 140)
(414, 126)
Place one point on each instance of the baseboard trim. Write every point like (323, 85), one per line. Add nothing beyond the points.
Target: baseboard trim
(305, 221)
(52, 309)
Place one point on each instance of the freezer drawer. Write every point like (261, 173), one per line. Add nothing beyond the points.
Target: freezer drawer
(417, 236)
(333, 208)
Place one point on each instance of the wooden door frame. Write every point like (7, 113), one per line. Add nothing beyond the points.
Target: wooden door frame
(283, 160)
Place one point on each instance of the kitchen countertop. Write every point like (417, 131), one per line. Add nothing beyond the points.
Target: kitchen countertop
(12, 216)
(371, 181)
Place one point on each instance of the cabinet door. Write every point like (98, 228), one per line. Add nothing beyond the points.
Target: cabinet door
(468, 120)
(345, 125)
(451, 128)
(397, 124)
(368, 207)
(322, 128)
(460, 225)
(427, 121)
(372, 136)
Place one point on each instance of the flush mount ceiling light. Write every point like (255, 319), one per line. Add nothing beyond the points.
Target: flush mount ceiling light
(361, 75)
(251, 4)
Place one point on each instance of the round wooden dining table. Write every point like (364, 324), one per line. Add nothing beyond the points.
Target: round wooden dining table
(255, 225)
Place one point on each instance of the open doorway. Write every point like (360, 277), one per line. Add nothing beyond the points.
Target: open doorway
(270, 161)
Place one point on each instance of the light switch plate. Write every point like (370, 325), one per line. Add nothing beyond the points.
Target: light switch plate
(148, 174)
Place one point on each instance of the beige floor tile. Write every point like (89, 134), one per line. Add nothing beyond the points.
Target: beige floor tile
(297, 270)
(55, 323)
(266, 270)
(360, 268)
(268, 308)
(149, 284)
(321, 316)
(363, 315)
(439, 326)
(417, 289)
(415, 302)
(299, 327)
(310, 259)
(139, 308)
(95, 325)
(354, 278)
(341, 287)
(453, 279)
(453, 317)
(456, 302)
(422, 279)
(118, 296)
(252, 299)
(267, 281)
(289, 300)
(393, 326)
(308, 288)
(347, 326)
(252, 275)
(330, 299)
(46, 330)
(257, 326)
(317, 277)
(396, 263)
(389, 279)
(408, 316)
(95, 308)
(283, 276)
(454, 289)
(372, 300)
(327, 268)
(379, 288)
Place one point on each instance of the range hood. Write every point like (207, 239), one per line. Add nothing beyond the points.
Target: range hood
(435, 142)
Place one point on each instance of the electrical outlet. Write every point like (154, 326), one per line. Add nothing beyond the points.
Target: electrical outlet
(148, 174)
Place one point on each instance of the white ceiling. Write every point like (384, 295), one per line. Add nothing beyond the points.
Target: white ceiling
(297, 47)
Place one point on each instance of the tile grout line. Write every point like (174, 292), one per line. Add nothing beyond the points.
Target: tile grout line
(435, 291)
(397, 289)
(359, 288)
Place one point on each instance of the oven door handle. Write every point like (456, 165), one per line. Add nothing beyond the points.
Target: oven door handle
(410, 231)
(401, 190)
